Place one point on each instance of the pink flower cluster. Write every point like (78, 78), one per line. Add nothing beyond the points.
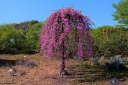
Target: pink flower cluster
(61, 23)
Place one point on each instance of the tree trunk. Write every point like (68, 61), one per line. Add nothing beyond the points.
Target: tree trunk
(62, 59)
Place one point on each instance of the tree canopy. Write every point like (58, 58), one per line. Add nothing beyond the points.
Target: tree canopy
(60, 25)
(15, 39)
(121, 13)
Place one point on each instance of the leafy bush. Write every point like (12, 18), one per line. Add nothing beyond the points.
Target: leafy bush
(115, 45)
(32, 38)
(11, 39)
(14, 39)
(117, 63)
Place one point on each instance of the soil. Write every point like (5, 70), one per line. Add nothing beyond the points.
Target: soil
(45, 72)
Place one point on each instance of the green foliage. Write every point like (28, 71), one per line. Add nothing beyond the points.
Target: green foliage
(98, 41)
(16, 40)
(32, 37)
(11, 39)
(120, 59)
(117, 63)
(116, 43)
(121, 13)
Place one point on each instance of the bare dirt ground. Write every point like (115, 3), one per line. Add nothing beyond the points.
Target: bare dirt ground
(46, 72)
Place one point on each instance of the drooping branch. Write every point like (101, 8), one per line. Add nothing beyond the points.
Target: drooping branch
(53, 33)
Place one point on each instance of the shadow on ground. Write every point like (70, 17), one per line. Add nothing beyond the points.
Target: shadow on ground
(86, 73)
(5, 62)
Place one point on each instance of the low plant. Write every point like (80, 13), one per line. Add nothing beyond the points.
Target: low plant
(117, 63)
(97, 60)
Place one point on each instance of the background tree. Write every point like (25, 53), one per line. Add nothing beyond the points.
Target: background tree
(32, 38)
(11, 39)
(58, 29)
(121, 13)
(116, 44)
(15, 39)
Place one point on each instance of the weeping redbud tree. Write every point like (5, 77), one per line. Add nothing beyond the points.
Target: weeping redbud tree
(58, 27)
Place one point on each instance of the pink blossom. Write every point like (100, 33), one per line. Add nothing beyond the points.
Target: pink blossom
(58, 26)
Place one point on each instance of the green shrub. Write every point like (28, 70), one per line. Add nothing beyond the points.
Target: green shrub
(117, 63)
(13, 40)
(116, 43)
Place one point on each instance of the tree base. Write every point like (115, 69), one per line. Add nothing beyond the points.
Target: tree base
(63, 72)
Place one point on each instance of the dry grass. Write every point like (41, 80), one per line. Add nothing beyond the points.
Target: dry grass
(46, 72)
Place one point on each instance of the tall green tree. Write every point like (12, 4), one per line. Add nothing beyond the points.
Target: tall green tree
(121, 13)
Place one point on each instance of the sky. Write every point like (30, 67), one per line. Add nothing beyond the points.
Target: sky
(17, 11)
